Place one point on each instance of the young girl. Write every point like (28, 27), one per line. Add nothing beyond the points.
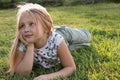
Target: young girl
(38, 42)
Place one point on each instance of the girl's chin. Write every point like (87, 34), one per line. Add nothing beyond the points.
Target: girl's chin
(30, 41)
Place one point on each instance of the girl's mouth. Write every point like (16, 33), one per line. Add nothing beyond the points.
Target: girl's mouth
(28, 36)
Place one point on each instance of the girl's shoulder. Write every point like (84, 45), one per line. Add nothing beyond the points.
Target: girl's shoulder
(55, 34)
(55, 38)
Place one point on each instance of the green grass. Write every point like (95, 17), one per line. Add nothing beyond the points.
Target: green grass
(100, 61)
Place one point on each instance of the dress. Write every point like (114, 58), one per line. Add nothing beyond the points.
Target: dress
(47, 55)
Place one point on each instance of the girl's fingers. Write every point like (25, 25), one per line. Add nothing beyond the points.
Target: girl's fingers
(36, 78)
(22, 39)
(42, 77)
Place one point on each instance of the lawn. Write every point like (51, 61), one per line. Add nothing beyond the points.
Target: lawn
(100, 61)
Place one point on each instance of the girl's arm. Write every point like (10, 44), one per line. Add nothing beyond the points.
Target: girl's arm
(67, 62)
(24, 63)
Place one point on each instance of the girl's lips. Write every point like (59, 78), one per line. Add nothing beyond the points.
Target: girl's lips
(28, 36)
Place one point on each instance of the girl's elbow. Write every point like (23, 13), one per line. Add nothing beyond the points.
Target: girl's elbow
(74, 68)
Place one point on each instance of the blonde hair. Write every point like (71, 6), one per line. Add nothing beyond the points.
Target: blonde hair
(40, 15)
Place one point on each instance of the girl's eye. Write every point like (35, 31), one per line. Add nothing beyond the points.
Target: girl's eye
(22, 26)
(31, 24)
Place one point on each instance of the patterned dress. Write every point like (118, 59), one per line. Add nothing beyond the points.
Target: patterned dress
(47, 56)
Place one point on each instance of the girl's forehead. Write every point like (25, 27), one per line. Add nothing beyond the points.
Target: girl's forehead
(27, 16)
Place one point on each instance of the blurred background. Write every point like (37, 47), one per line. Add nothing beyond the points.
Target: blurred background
(12, 3)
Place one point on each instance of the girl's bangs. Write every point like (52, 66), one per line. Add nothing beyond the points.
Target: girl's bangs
(26, 13)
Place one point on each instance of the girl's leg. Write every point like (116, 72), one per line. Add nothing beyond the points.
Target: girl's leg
(74, 37)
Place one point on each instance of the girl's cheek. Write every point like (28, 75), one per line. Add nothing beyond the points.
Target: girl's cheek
(21, 32)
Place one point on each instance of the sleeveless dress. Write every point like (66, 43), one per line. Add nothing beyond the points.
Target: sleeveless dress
(47, 55)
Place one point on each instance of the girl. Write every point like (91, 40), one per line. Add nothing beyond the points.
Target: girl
(38, 42)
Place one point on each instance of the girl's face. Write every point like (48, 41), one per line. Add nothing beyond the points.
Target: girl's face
(30, 31)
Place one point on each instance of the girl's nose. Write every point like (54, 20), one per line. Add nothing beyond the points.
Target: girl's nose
(26, 29)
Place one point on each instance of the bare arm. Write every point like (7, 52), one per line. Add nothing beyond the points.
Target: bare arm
(24, 62)
(67, 62)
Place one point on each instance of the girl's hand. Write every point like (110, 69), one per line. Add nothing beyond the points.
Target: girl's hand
(42, 77)
(22, 39)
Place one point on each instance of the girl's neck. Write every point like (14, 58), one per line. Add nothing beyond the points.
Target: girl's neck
(41, 42)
